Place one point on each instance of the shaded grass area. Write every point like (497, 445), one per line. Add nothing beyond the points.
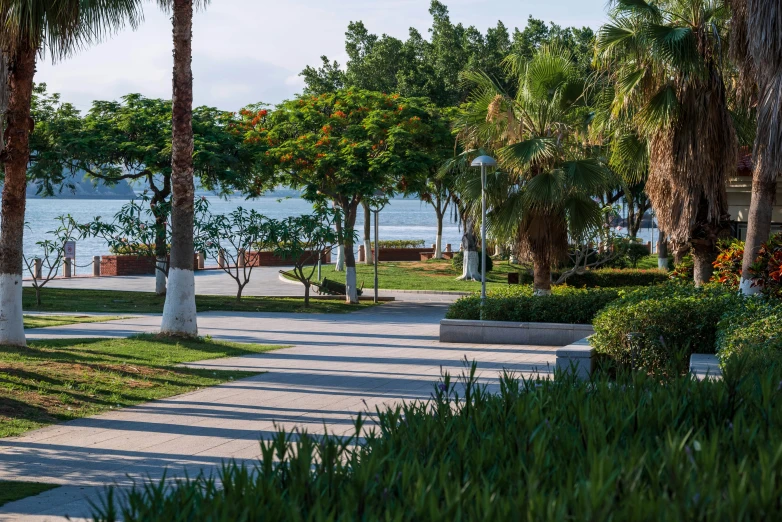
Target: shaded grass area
(435, 274)
(42, 321)
(59, 380)
(12, 491)
(77, 300)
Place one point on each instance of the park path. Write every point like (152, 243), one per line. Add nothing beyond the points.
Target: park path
(338, 366)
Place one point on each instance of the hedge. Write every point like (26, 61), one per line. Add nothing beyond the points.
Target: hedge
(609, 278)
(401, 243)
(753, 331)
(654, 327)
(517, 304)
(630, 449)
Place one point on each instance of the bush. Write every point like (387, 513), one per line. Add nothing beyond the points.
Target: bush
(401, 243)
(458, 260)
(538, 450)
(609, 278)
(684, 271)
(767, 268)
(635, 252)
(727, 267)
(517, 304)
(655, 327)
(752, 330)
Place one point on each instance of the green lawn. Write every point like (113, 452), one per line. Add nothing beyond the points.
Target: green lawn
(435, 274)
(42, 321)
(58, 380)
(11, 491)
(73, 300)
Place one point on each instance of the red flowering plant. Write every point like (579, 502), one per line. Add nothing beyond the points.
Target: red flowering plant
(767, 268)
(727, 266)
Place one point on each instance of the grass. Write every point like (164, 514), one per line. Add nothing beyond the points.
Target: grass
(58, 380)
(648, 262)
(73, 300)
(11, 491)
(42, 321)
(435, 274)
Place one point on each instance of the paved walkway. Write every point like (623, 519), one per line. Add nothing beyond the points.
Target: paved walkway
(339, 365)
(264, 281)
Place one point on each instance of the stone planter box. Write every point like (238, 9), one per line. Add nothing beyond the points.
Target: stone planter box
(504, 332)
(131, 265)
(269, 259)
(426, 256)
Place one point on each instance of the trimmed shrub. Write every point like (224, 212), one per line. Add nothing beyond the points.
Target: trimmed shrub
(656, 327)
(609, 278)
(539, 450)
(752, 330)
(727, 266)
(458, 260)
(400, 243)
(517, 304)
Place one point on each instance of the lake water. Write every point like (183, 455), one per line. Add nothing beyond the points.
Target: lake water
(400, 219)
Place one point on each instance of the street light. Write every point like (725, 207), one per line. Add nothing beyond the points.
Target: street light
(376, 204)
(483, 162)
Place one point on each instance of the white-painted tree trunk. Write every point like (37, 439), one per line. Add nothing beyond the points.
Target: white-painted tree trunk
(541, 291)
(340, 265)
(179, 313)
(746, 288)
(470, 267)
(662, 263)
(160, 276)
(351, 290)
(438, 247)
(11, 320)
(368, 257)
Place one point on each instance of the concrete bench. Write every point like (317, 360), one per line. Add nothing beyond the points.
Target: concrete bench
(579, 357)
(506, 332)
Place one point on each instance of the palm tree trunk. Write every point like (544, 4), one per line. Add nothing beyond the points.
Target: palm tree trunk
(21, 70)
(179, 312)
(438, 244)
(703, 256)
(470, 270)
(541, 274)
(758, 223)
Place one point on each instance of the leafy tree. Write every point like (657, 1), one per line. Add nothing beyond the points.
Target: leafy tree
(327, 78)
(231, 237)
(666, 63)
(344, 146)
(45, 263)
(304, 240)
(30, 28)
(542, 194)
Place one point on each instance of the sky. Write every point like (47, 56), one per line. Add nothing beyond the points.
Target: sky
(249, 51)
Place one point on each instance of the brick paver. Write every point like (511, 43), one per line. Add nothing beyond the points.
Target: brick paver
(338, 365)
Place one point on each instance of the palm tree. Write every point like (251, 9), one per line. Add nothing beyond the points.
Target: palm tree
(665, 61)
(28, 28)
(542, 194)
(756, 46)
(179, 311)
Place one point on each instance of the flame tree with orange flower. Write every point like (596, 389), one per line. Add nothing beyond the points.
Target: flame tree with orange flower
(346, 145)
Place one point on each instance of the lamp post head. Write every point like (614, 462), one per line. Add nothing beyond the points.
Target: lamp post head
(484, 161)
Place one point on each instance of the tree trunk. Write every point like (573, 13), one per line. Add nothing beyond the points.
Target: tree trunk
(662, 252)
(339, 264)
(758, 224)
(703, 256)
(367, 235)
(161, 249)
(351, 289)
(438, 244)
(239, 293)
(21, 70)
(306, 294)
(541, 274)
(470, 270)
(160, 275)
(179, 312)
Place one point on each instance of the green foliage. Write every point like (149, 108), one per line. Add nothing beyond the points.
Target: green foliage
(609, 277)
(517, 304)
(683, 271)
(753, 331)
(655, 327)
(401, 243)
(549, 450)
(727, 266)
(767, 269)
(635, 252)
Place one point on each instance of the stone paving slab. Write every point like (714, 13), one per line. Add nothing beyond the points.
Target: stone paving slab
(338, 366)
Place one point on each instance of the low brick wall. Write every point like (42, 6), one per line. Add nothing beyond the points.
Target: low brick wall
(506, 332)
(131, 265)
(269, 259)
(401, 254)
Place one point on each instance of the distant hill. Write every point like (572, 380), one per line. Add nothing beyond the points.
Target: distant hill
(80, 186)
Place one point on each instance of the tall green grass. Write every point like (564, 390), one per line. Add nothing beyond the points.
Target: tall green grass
(630, 448)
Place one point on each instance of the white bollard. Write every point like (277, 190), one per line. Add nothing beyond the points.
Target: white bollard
(66, 267)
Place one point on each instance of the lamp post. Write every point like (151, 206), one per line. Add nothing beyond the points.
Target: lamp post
(483, 162)
(376, 204)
